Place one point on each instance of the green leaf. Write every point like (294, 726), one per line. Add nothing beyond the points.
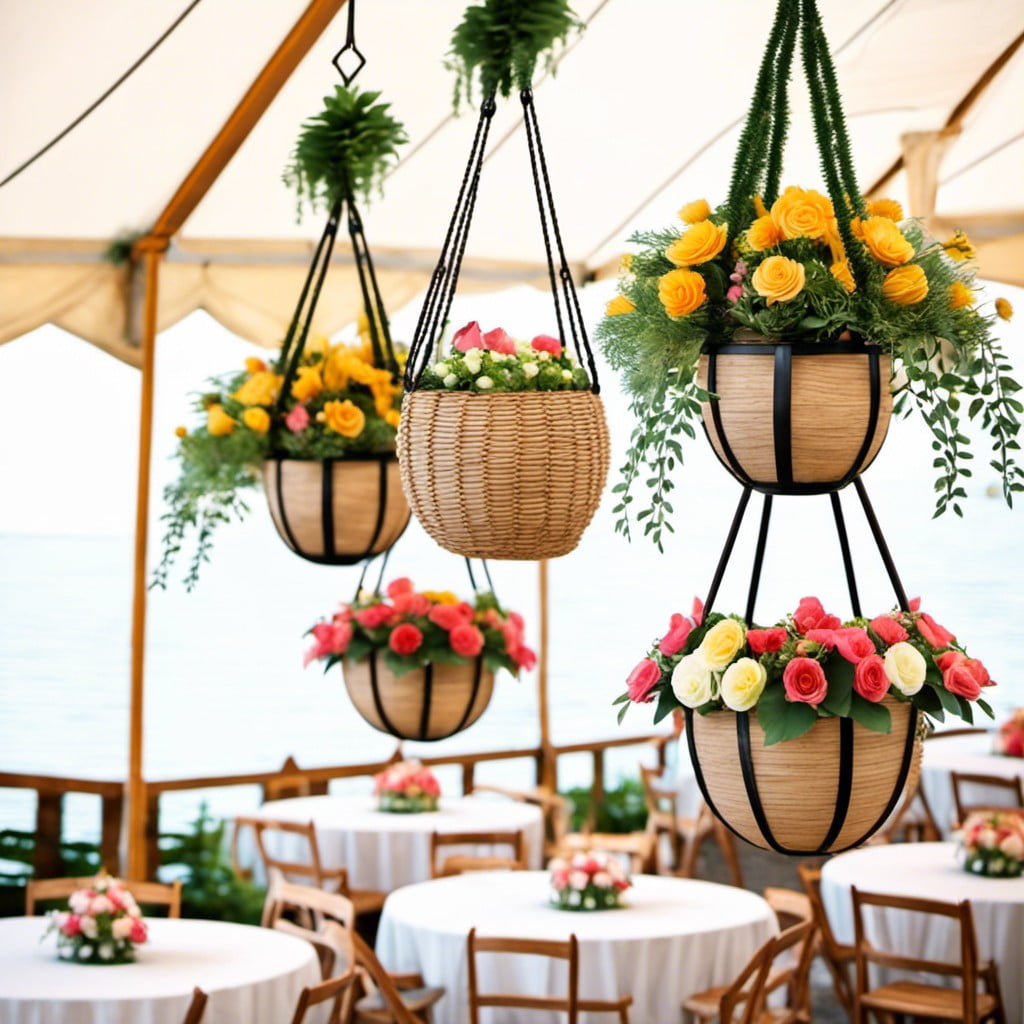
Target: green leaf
(839, 673)
(872, 716)
(667, 703)
(928, 701)
(622, 697)
(622, 712)
(782, 719)
(948, 700)
(985, 706)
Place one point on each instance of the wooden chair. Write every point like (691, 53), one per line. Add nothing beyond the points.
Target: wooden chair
(333, 944)
(1009, 789)
(366, 901)
(389, 998)
(153, 894)
(640, 848)
(839, 958)
(315, 909)
(456, 864)
(555, 809)
(570, 1003)
(794, 908)
(196, 1008)
(913, 998)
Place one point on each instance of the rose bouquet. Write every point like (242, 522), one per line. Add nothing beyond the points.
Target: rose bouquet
(992, 843)
(587, 881)
(406, 788)
(102, 925)
(1010, 736)
(809, 666)
(494, 362)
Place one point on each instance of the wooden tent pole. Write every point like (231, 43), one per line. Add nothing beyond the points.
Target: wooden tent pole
(548, 773)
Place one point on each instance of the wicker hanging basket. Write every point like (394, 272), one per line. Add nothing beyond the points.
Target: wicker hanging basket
(338, 511)
(430, 703)
(513, 476)
(827, 791)
(796, 419)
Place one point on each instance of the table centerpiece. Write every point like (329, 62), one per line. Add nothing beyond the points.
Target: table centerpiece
(408, 787)
(102, 925)
(992, 843)
(587, 881)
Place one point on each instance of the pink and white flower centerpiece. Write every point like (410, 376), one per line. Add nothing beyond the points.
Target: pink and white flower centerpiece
(992, 843)
(1010, 737)
(587, 881)
(407, 787)
(102, 925)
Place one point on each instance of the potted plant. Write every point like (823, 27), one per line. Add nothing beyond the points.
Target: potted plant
(102, 925)
(992, 843)
(767, 709)
(407, 787)
(587, 881)
(792, 322)
(316, 426)
(420, 664)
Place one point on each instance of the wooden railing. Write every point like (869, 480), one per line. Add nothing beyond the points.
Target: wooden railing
(289, 780)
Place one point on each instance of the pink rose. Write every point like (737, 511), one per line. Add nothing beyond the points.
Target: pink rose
(375, 616)
(980, 672)
(447, 616)
(498, 341)
(405, 639)
(466, 640)
(888, 630)
(138, 933)
(869, 678)
(697, 611)
(72, 925)
(960, 680)
(933, 633)
(735, 293)
(915, 604)
(545, 343)
(412, 605)
(642, 681)
(763, 641)
(674, 640)
(298, 419)
(854, 644)
(811, 615)
(826, 638)
(525, 657)
(400, 587)
(804, 680)
(468, 337)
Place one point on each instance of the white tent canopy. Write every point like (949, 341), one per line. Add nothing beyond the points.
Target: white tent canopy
(643, 116)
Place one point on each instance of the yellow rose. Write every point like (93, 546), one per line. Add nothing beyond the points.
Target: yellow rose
(885, 208)
(721, 643)
(383, 399)
(763, 234)
(308, 383)
(857, 228)
(180, 432)
(1004, 309)
(905, 286)
(779, 279)
(841, 272)
(681, 292)
(759, 207)
(256, 419)
(260, 389)
(703, 242)
(441, 597)
(885, 242)
(619, 305)
(960, 295)
(337, 367)
(695, 212)
(218, 422)
(254, 365)
(959, 247)
(344, 418)
(802, 213)
(905, 668)
(391, 418)
(743, 684)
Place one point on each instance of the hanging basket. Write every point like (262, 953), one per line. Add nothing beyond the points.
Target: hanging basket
(796, 419)
(824, 792)
(430, 703)
(513, 476)
(338, 511)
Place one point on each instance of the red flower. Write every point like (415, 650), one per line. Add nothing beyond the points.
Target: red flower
(405, 639)
(466, 640)
(498, 341)
(72, 925)
(411, 605)
(854, 644)
(138, 932)
(403, 585)
(960, 680)
(764, 640)
(869, 678)
(826, 638)
(642, 681)
(888, 630)
(811, 615)
(525, 658)
(545, 343)
(674, 640)
(447, 616)
(804, 680)
(934, 634)
(375, 616)
(468, 337)
(697, 611)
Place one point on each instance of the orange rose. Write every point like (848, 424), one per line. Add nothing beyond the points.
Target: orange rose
(802, 213)
(779, 279)
(260, 389)
(885, 208)
(960, 295)
(763, 234)
(905, 286)
(681, 292)
(703, 242)
(841, 272)
(218, 422)
(308, 383)
(885, 242)
(343, 418)
(619, 305)
(695, 212)
(254, 365)
(256, 419)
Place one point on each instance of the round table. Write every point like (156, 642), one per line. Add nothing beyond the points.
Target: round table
(970, 754)
(930, 870)
(384, 851)
(250, 974)
(673, 937)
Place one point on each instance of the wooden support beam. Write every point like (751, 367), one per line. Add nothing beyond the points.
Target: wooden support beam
(46, 861)
(110, 833)
(547, 764)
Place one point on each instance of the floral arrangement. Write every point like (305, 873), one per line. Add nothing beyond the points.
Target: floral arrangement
(416, 628)
(587, 881)
(493, 361)
(992, 843)
(102, 925)
(406, 788)
(1010, 737)
(796, 269)
(809, 666)
(340, 403)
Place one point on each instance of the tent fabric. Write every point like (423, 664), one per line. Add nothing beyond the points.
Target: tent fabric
(643, 115)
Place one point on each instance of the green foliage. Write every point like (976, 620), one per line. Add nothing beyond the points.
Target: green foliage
(498, 43)
(622, 809)
(346, 149)
(487, 372)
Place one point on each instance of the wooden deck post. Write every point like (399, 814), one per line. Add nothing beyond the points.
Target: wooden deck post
(548, 774)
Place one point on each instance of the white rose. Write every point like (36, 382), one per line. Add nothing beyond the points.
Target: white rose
(691, 681)
(567, 375)
(100, 905)
(106, 951)
(473, 360)
(905, 668)
(557, 864)
(88, 926)
(543, 356)
(451, 380)
(574, 899)
(1013, 847)
(442, 369)
(603, 879)
(122, 927)
(743, 683)
(84, 952)
(530, 370)
(578, 880)
(484, 383)
(499, 357)
(987, 839)
(79, 902)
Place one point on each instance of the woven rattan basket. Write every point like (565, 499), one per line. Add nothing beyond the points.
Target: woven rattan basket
(790, 797)
(796, 419)
(339, 511)
(516, 476)
(426, 704)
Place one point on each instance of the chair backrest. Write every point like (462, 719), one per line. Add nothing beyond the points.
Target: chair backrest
(790, 907)
(567, 951)
(660, 799)
(310, 867)
(375, 979)
(196, 1008)
(636, 847)
(146, 893)
(554, 807)
(340, 989)
(455, 864)
(967, 968)
(316, 905)
(790, 968)
(746, 993)
(1009, 791)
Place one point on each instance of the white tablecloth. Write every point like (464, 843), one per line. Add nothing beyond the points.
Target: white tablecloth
(971, 755)
(253, 975)
(931, 871)
(674, 937)
(385, 851)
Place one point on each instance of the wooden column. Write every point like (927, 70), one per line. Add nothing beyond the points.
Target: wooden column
(548, 767)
